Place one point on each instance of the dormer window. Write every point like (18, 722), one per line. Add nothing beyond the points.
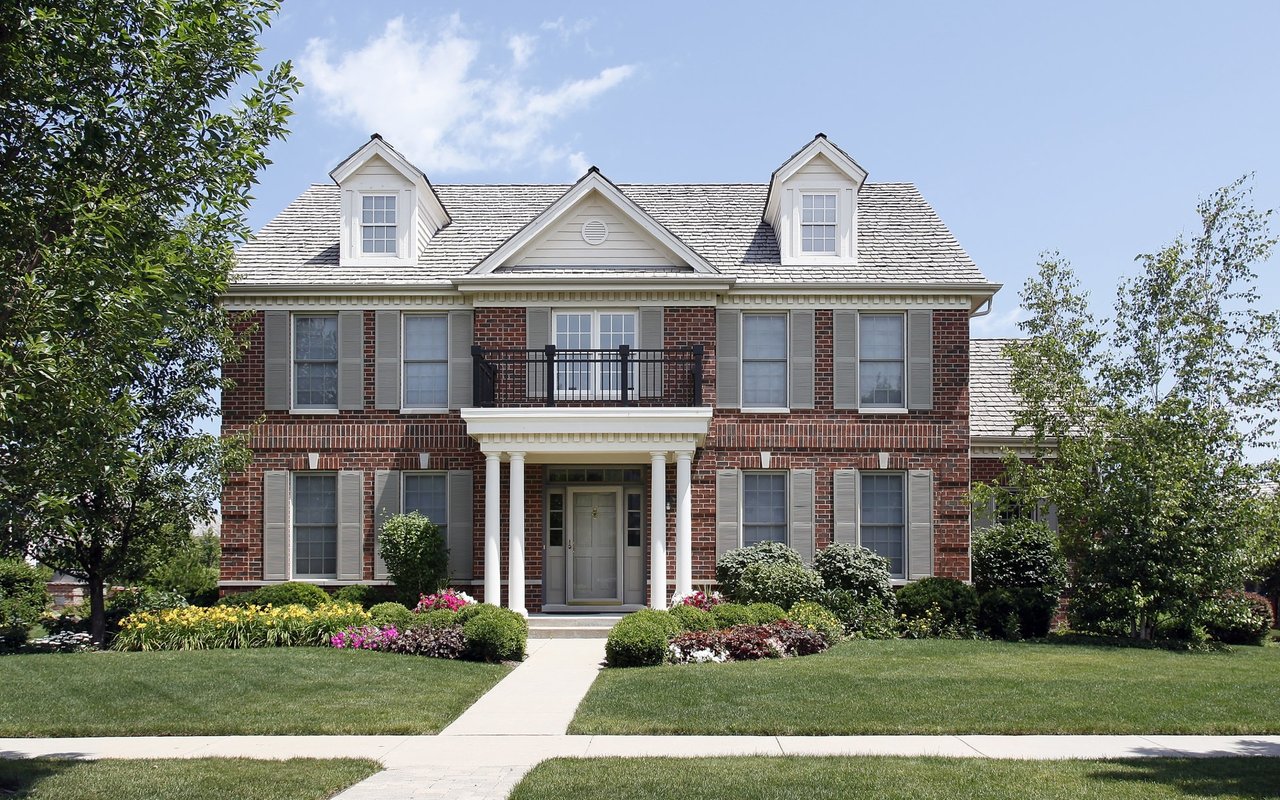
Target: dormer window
(378, 224)
(818, 223)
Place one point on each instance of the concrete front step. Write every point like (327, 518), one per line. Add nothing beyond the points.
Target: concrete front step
(571, 626)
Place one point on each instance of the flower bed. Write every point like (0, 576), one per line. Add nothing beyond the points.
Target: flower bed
(480, 633)
(690, 635)
(196, 628)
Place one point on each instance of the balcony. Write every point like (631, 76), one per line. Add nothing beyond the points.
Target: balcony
(552, 377)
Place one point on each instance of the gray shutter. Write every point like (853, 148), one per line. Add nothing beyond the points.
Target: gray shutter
(728, 511)
(920, 524)
(537, 335)
(985, 516)
(920, 359)
(460, 498)
(800, 360)
(351, 360)
(461, 324)
(275, 526)
(350, 526)
(386, 503)
(800, 513)
(845, 506)
(650, 332)
(728, 358)
(1050, 517)
(845, 355)
(275, 345)
(386, 368)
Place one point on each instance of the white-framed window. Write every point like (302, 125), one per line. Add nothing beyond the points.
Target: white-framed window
(592, 375)
(315, 525)
(378, 223)
(425, 361)
(883, 505)
(818, 223)
(764, 360)
(428, 494)
(882, 348)
(764, 507)
(315, 361)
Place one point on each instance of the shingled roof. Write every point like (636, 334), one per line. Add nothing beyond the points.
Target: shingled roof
(900, 238)
(992, 402)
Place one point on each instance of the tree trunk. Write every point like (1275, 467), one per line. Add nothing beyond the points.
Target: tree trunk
(97, 610)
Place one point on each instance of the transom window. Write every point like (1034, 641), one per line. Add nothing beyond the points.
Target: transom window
(884, 517)
(818, 223)
(315, 361)
(426, 361)
(881, 360)
(426, 493)
(378, 224)
(585, 375)
(764, 360)
(764, 507)
(315, 526)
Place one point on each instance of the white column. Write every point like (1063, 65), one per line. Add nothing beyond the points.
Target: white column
(658, 532)
(684, 522)
(493, 529)
(515, 581)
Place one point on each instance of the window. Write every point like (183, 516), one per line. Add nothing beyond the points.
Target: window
(426, 361)
(884, 517)
(378, 224)
(586, 375)
(555, 519)
(818, 223)
(764, 507)
(315, 526)
(426, 493)
(635, 517)
(764, 360)
(315, 361)
(881, 360)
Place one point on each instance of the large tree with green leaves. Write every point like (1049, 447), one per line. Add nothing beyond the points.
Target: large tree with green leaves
(125, 170)
(1150, 423)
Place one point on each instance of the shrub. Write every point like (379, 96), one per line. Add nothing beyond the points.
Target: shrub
(440, 618)
(731, 565)
(447, 599)
(640, 639)
(698, 647)
(728, 615)
(24, 595)
(692, 618)
(445, 641)
(816, 618)
(750, 643)
(1022, 558)
(797, 640)
(393, 614)
(1238, 619)
(143, 598)
(780, 584)
(364, 595)
(467, 612)
(197, 628)
(998, 615)
(956, 602)
(190, 569)
(855, 570)
(497, 634)
(764, 613)
(280, 594)
(872, 619)
(415, 553)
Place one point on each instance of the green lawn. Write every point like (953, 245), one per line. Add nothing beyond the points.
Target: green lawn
(194, 779)
(305, 690)
(932, 687)
(892, 778)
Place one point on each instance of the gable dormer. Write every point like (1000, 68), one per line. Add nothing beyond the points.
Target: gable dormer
(389, 210)
(813, 205)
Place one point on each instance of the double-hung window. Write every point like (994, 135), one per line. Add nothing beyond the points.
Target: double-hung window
(315, 361)
(884, 517)
(764, 360)
(315, 526)
(818, 223)
(426, 361)
(764, 507)
(882, 360)
(378, 224)
(427, 493)
(586, 375)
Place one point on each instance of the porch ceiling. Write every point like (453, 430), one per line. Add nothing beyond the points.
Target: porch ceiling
(587, 435)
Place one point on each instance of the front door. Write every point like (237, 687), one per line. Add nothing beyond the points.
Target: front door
(594, 555)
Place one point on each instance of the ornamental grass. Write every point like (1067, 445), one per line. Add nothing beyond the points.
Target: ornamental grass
(196, 628)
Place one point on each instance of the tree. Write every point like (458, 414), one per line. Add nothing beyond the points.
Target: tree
(1150, 425)
(416, 555)
(125, 173)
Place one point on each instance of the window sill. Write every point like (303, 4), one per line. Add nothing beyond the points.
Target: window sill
(323, 412)
(424, 411)
(882, 410)
(754, 410)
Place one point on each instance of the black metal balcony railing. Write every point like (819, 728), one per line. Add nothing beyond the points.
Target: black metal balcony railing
(625, 376)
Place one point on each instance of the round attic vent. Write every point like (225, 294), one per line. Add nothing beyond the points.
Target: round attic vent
(595, 231)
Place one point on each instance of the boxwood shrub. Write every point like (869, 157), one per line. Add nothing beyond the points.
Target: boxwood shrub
(729, 614)
(764, 613)
(640, 639)
(495, 634)
(391, 613)
(438, 618)
(692, 618)
(731, 565)
(781, 584)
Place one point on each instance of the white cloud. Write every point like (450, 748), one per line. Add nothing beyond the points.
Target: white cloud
(999, 324)
(567, 29)
(424, 92)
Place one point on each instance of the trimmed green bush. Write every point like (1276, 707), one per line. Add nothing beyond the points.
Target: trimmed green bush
(729, 614)
(855, 570)
(764, 613)
(870, 619)
(438, 618)
(280, 594)
(956, 601)
(1023, 559)
(416, 555)
(692, 618)
(816, 618)
(998, 615)
(731, 565)
(640, 639)
(467, 612)
(781, 584)
(384, 614)
(1238, 619)
(24, 595)
(495, 634)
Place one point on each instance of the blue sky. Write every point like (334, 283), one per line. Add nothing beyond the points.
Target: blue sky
(1087, 128)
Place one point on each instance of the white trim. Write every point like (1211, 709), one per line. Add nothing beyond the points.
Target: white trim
(902, 409)
(786, 360)
(585, 294)
(577, 435)
(294, 408)
(404, 343)
(760, 410)
(311, 412)
(906, 516)
(291, 570)
(317, 300)
(864, 298)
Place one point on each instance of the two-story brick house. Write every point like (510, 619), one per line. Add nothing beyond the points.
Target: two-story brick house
(598, 388)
